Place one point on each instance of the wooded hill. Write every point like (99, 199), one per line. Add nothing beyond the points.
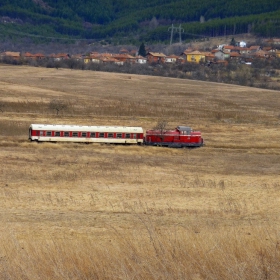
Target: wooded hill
(133, 21)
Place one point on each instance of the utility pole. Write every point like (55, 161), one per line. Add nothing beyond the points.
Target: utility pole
(180, 31)
(172, 29)
(176, 29)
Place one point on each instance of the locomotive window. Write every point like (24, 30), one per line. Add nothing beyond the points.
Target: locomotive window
(110, 135)
(57, 133)
(101, 135)
(84, 134)
(119, 135)
(49, 133)
(127, 135)
(92, 134)
(75, 134)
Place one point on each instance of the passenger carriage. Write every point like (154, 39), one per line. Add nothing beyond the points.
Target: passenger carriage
(87, 134)
(182, 136)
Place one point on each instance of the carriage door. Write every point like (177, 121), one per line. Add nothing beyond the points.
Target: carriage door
(41, 133)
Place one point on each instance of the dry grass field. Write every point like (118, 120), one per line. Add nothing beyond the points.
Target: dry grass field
(77, 211)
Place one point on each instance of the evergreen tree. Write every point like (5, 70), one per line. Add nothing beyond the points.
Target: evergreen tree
(233, 42)
(142, 50)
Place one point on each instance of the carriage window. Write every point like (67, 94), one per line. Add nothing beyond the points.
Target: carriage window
(49, 133)
(92, 134)
(75, 134)
(119, 135)
(101, 135)
(127, 135)
(134, 135)
(66, 134)
(57, 133)
(84, 134)
(41, 133)
(110, 135)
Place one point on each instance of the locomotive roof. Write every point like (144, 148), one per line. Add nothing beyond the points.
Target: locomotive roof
(184, 128)
(58, 127)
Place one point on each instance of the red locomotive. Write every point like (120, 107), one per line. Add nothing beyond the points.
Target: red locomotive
(182, 136)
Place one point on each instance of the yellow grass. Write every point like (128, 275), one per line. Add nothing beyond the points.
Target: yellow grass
(77, 211)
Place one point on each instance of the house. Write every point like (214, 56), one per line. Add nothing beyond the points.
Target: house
(59, 56)
(140, 59)
(244, 50)
(261, 54)
(235, 55)
(171, 58)
(39, 56)
(12, 55)
(241, 44)
(180, 60)
(36, 56)
(215, 50)
(228, 49)
(153, 57)
(111, 60)
(254, 49)
(195, 56)
(220, 47)
(124, 58)
(77, 57)
(275, 41)
(106, 55)
(220, 55)
(94, 54)
(95, 57)
(186, 51)
(271, 51)
(86, 59)
(209, 56)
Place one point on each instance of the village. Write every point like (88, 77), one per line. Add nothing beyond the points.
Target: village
(221, 54)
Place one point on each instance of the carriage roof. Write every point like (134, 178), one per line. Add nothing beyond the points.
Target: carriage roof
(84, 128)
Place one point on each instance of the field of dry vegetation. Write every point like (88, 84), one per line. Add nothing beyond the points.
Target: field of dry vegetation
(77, 211)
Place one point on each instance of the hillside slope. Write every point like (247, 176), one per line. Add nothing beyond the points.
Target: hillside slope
(134, 20)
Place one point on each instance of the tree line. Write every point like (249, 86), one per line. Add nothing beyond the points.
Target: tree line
(129, 20)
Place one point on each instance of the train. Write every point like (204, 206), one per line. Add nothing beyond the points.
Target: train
(180, 137)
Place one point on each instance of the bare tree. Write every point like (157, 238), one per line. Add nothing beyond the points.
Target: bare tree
(161, 126)
(58, 105)
(153, 23)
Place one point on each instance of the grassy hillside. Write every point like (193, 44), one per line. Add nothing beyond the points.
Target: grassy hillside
(133, 20)
(77, 211)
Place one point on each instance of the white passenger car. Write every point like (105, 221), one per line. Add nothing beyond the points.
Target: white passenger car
(87, 134)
